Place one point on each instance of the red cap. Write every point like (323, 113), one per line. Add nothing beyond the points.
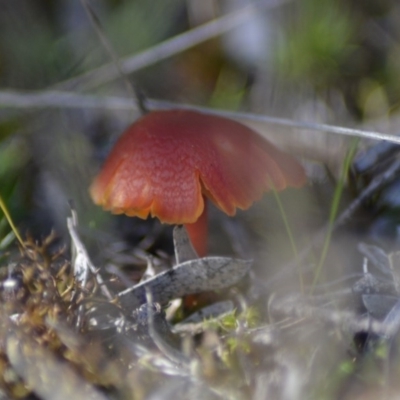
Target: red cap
(164, 163)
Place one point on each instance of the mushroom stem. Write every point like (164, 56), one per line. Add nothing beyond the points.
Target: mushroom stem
(198, 232)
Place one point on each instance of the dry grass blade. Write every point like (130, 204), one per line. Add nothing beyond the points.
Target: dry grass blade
(377, 183)
(81, 261)
(170, 47)
(131, 88)
(57, 99)
(183, 247)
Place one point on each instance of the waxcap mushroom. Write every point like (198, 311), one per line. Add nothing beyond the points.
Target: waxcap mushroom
(165, 163)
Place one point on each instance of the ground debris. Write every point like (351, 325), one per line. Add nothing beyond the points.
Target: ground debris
(63, 329)
(66, 327)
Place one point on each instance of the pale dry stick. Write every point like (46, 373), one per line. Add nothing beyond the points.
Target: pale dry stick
(59, 99)
(56, 99)
(318, 238)
(130, 86)
(81, 261)
(184, 250)
(241, 116)
(170, 47)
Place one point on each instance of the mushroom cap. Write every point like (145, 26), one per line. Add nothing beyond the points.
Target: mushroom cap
(164, 163)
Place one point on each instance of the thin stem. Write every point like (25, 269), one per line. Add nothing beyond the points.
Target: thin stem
(198, 232)
(289, 233)
(333, 213)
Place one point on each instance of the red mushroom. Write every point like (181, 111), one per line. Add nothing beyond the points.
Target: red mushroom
(168, 162)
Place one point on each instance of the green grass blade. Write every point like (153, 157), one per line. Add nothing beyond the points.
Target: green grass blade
(289, 232)
(10, 221)
(333, 212)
